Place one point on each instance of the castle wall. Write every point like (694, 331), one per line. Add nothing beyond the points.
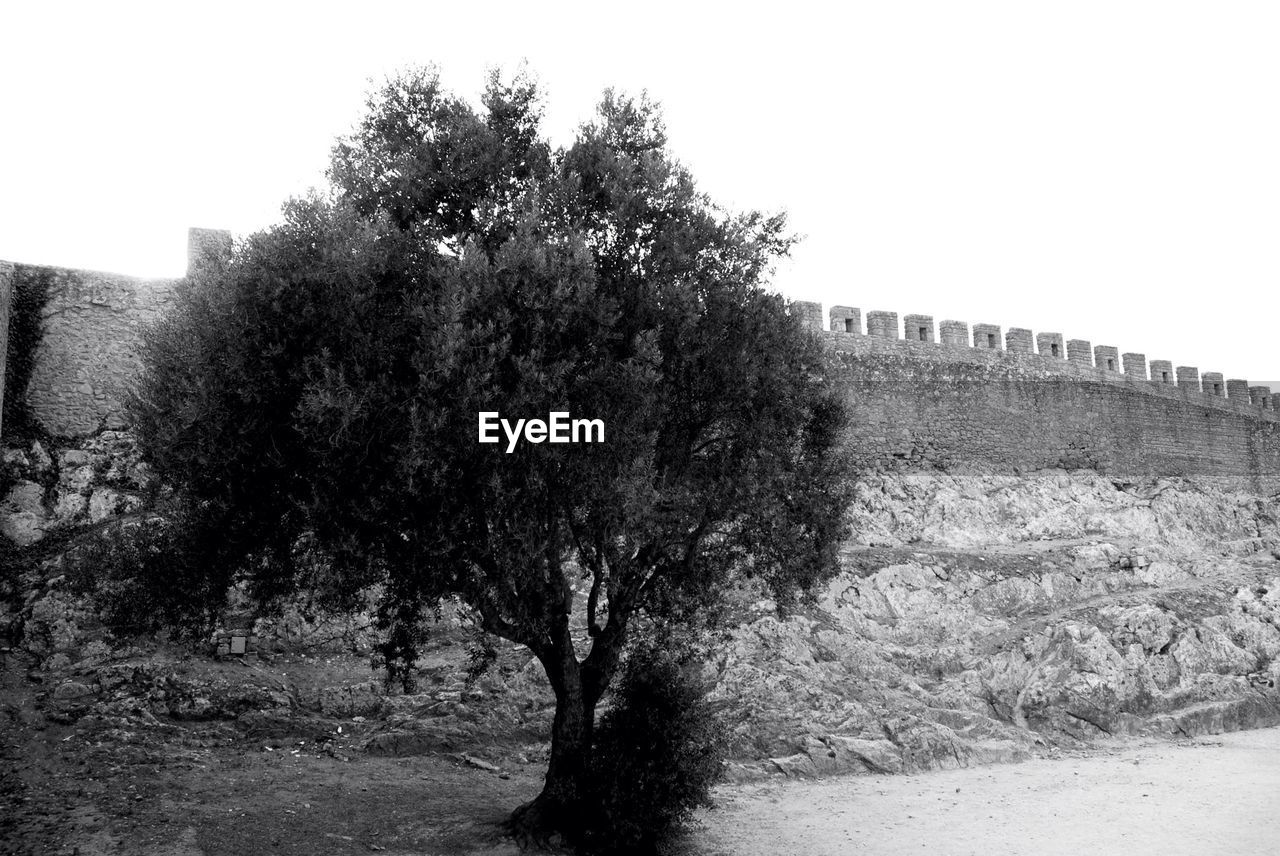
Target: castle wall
(93, 323)
(88, 353)
(944, 405)
(919, 392)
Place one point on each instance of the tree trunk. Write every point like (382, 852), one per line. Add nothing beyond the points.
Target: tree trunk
(558, 808)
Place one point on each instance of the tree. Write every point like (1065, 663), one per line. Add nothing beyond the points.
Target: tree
(324, 387)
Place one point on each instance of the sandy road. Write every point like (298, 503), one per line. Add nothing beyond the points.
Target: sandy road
(1216, 795)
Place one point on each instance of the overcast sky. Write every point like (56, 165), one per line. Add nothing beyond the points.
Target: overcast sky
(1107, 170)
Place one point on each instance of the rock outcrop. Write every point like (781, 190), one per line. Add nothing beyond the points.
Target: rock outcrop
(88, 482)
(977, 618)
(983, 618)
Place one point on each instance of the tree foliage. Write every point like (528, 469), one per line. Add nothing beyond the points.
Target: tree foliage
(147, 575)
(31, 291)
(658, 751)
(327, 382)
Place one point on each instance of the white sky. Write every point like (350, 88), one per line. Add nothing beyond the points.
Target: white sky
(1107, 170)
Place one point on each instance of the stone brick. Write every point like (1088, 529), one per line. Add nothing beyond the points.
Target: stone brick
(1211, 383)
(1162, 371)
(1238, 388)
(1188, 378)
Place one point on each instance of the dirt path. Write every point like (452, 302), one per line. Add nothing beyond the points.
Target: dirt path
(1214, 795)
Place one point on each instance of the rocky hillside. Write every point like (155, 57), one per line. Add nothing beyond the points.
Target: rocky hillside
(978, 618)
(983, 618)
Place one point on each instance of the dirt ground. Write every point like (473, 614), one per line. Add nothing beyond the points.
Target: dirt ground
(67, 792)
(154, 767)
(166, 800)
(1211, 795)
(208, 789)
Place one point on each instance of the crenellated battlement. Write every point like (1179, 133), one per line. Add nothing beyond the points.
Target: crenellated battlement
(1074, 358)
(1050, 345)
(943, 392)
(1015, 400)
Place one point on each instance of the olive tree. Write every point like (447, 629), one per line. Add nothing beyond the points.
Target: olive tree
(323, 388)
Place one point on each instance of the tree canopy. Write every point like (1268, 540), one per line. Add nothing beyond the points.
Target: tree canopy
(316, 398)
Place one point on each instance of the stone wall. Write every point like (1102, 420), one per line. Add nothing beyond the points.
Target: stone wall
(1107, 359)
(88, 353)
(1014, 410)
(93, 324)
(1020, 400)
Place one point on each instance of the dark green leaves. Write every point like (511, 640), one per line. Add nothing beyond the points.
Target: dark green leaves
(326, 385)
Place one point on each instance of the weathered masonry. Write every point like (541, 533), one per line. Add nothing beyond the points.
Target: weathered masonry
(1018, 401)
(942, 393)
(93, 324)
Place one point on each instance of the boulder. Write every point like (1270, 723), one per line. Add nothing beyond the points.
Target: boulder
(25, 496)
(24, 528)
(103, 503)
